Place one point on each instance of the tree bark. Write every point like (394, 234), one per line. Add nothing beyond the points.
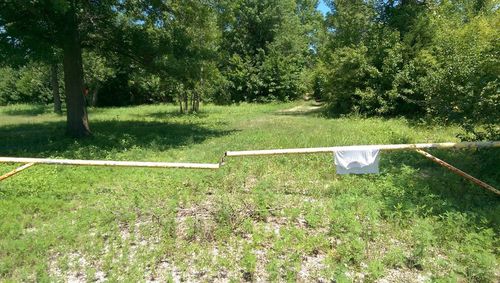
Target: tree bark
(199, 92)
(196, 101)
(186, 103)
(193, 97)
(54, 81)
(94, 96)
(77, 120)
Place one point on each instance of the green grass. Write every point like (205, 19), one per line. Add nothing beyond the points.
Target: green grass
(286, 218)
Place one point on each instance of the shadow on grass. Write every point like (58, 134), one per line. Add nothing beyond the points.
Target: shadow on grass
(430, 189)
(310, 109)
(48, 139)
(319, 112)
(170, 114)
(29, 110)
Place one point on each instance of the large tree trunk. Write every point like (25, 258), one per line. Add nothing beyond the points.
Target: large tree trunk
(54, 81)
(77, 120)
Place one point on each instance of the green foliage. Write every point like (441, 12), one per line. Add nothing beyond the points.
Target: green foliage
(353, 21)
(166, 51)
(480, 264)
(414, 58)
(98, 71)
(350, 80)
(266, 44)
(375, 270)
(248, 262)
(422, 59)
(263, 200)
(27, 84)
(465, 84)
(395, 258)
(286, 218)
(188, 51)
(422, 238)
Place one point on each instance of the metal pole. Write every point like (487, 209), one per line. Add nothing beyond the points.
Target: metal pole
(362, 147)
(110, 163)
(15, 171)
(459, 172)
(244, 153)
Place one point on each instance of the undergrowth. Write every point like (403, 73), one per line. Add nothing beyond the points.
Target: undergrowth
(282, 218)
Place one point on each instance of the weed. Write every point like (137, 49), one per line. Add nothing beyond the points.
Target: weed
(248, 263)
(395, 258)
(375, 270)
(62, 223)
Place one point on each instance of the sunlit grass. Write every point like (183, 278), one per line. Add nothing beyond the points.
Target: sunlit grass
(258, 218)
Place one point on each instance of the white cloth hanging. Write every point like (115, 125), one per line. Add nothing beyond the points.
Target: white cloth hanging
(357, 161)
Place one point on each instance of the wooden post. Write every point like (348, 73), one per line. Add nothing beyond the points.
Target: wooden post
(459, 172)
(15, 171)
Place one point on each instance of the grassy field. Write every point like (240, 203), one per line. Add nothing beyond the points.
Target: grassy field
(287, 218)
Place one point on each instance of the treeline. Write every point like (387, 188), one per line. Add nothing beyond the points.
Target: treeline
(163, 51)
(435, 58)
(439, 59)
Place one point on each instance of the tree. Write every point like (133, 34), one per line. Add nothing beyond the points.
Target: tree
(42, 26)
(351, 21)
(462, 82)
(99, 70)
(417, 58)
(14, 54)
(29, 83)
(54, 82)
(265, 46)
(172, 43)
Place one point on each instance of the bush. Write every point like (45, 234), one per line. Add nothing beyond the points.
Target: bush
(265, 47)
(464, 87)
(27, 84)
(350, 81)
(442, 62)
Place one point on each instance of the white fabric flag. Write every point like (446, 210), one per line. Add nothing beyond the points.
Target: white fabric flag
(357, 161)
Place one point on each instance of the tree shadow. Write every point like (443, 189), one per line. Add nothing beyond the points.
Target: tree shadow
(109, 137)
(28, 110)
(426, 188)
(170, 114)
(317, 112)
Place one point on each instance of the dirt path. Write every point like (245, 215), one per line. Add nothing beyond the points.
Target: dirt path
(303, 108)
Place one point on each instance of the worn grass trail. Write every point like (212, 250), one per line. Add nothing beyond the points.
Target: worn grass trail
(286, 218)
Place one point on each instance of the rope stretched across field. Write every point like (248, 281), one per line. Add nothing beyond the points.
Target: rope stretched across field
(419, 147)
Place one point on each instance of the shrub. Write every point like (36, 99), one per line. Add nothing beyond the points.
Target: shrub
(27, 84)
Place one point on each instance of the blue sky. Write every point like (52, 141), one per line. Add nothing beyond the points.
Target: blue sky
(322, 7)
